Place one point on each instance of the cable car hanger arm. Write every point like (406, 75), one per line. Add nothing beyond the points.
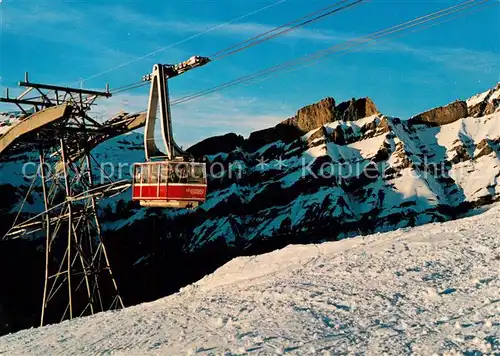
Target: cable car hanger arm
(172, 70)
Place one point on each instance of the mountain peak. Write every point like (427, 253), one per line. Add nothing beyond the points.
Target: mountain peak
(356, 109)
(312, 116)
(485, 103)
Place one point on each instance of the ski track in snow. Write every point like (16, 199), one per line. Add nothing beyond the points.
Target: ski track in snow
(430, 289)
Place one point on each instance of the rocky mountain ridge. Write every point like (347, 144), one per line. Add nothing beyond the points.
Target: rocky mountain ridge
(307, 118)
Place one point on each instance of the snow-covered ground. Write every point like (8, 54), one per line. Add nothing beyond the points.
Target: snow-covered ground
(7, 120)
(431, 289)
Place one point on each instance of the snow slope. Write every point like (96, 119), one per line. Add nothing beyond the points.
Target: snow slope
(476, 99)
(430, 289)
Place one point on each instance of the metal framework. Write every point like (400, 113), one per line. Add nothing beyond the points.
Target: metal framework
(78, 275)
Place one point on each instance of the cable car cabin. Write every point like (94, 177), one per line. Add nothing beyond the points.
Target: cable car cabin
(169, 184)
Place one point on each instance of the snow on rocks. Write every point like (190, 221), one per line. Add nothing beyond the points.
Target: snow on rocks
(478, 98)
(427, 290)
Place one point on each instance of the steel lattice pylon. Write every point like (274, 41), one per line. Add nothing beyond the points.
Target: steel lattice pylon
(85, 258)
(78, 275)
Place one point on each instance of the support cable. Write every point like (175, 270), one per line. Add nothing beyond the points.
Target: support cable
(342, 47)
(270, 34)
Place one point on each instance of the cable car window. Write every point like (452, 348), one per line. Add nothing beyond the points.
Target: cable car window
(145, 173)
(196, 174)
(164, 173)
(137, 173)
(154, 173)
(178, 172)
(172, 178)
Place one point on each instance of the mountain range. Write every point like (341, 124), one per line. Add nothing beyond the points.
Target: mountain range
(332, 171)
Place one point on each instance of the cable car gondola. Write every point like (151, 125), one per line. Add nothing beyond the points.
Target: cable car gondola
(170, 184)
(170, 179)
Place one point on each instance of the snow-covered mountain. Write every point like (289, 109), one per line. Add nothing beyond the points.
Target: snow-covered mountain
(422, 291)
(344, 165)
(330, 172)
(335, 171)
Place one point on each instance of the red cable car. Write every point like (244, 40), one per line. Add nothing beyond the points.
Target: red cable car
(168, 179)
(170, 184)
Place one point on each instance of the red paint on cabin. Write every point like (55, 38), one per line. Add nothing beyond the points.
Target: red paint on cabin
(185, 181)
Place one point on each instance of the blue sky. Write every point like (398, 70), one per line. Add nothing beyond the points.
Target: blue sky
(62, 42)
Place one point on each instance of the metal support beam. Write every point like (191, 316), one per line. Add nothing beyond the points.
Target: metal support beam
(106, 94)
(47, 233)
(24, 102)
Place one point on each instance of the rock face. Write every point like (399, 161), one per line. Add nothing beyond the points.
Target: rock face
(328, 173)
(356, 109)
(315, 115)
(443, 115)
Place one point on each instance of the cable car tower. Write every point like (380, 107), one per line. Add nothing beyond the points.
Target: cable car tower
(168, 179)
(56, 125)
